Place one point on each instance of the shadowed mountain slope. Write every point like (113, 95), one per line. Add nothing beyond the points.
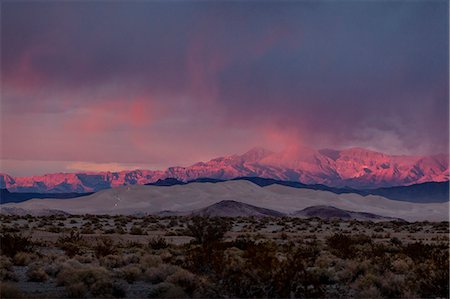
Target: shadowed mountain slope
(231, 208)
(6, 196)
(329, 212)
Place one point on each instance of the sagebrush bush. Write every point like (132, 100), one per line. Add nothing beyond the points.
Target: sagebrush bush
(6, 269)
(104, 246)
(76, 290)
(86, 258)
(136, 230)
(112, 261)
(131, 273)
(150, 260)
(36, 273)
(11, 243)
(72, 243)
(185, 279)
(78, 278)
(166, 290)
(206, 230)
(108, 289)
(160, 273)
(340, 245)
(157, 243)
(24, 258)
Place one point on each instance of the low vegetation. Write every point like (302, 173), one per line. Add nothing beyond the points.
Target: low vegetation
(178, 257)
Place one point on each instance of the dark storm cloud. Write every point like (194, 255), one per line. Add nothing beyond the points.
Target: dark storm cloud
(319, 73)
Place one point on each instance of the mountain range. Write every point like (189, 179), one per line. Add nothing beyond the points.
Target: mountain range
(356, 168)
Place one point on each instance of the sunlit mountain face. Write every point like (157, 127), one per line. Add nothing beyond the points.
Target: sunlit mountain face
(355, 167)
(98, 87)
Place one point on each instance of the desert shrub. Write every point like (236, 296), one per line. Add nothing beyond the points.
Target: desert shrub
(24, 258)
(150, 260)
(9, 229)
(87, 230)
(54, 229)
(166, 256)
(104, 247)
(36, 273)
(166, 290)
(136, 230)
(242, 242)
(172, 223)
(73, 237)
(434, 274)
(11, 243)
(366, 286)
(417, 251)
(402, 265)
(109, 231)
(296, 274)
(112, 261)
(392, 285)
(130, 273)
(52, 269)
(6, 269)
(72, 243)
(132, 244)
(108, 289)
(340, 245)
(85, 258)
(79, 278)
(160, 273)
(205, 259)
(119, 230)
(9, 290)
(361, 239)
(207, 230)
(185, 279)
(76, 290)
(396, 241)
(157, 243)
(132, 259)
(344, 246)
(266, 270)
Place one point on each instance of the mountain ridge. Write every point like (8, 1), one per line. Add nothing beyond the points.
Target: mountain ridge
(354, 167)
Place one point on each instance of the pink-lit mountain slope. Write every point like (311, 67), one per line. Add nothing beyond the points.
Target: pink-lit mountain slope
(354, 167)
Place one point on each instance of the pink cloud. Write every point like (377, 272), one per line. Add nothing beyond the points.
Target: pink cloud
(114, 114)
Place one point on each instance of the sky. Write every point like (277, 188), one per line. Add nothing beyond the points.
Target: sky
(113, 85)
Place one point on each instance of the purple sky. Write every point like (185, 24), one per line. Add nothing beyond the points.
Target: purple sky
(98, 85)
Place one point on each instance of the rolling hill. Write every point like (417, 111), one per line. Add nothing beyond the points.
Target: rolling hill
(139, 199)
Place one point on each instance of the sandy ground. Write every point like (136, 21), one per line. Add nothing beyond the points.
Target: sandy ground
(152, 199)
